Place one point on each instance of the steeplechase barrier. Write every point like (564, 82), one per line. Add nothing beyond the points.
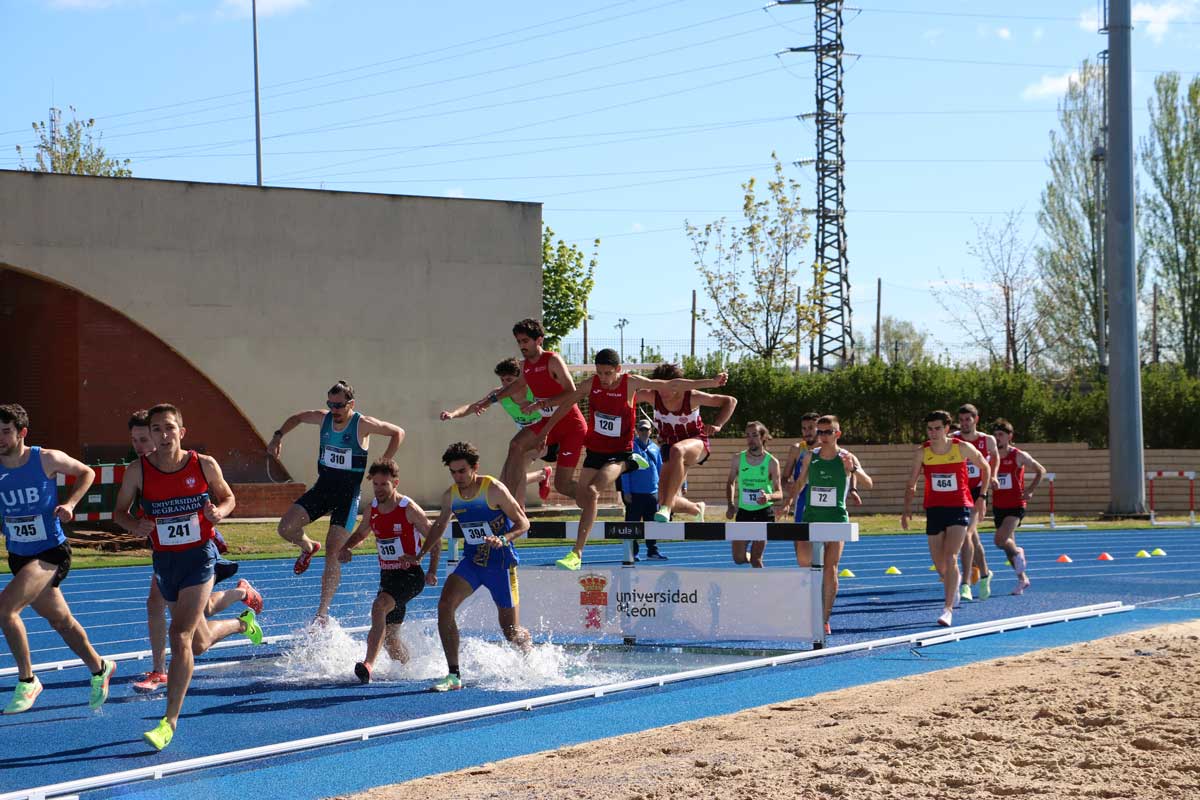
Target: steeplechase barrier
(101, 499)
(1191, 479)
(1052, 525)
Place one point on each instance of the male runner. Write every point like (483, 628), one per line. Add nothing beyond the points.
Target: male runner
(509, 371)
(791, 471)
(751, 487)
(1008, 506)
(39, 555)
(825, 476)
(341, 462)
(611, 413)
(156, 606)
(490, 520)
(683, 437)
(948, 503)
(973, 555)
(177, 489)
(396, 521)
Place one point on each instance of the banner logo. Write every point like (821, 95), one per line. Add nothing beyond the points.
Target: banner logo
(593, 599)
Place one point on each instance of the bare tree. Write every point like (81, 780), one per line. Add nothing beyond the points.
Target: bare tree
(999, 314)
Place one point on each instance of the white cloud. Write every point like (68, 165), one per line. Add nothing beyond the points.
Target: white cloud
(1158, 18)
(456, 191)
(637, 226)
(932, 35)
(1089, 20)
(1049, 86)
(1004, 33)
(266, 8)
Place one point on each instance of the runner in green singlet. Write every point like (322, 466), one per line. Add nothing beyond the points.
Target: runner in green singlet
(825, 474)
(509, 371)
(750, 489)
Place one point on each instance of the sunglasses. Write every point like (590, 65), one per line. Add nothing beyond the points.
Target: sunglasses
(336, 406)
(825, 431)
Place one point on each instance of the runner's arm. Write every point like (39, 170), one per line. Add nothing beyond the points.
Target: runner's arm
(993, 459)
(790, 467)
(218, 490)
(394, 433)
(641, 383)
(859, 475)
(731, 487)
(437, 529)
(499, 496)
(360, 534)
(472, 408)
(773, 473)
(420, 521)
(56, 462)
(1029, 462)
(315, 417)
(910, 489)
(565, 402)
(515, 389)
(559, 372)
(125, 497)
(726, 403)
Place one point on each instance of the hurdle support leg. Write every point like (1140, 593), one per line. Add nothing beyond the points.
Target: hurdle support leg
(1190, 476)
(1053, 524)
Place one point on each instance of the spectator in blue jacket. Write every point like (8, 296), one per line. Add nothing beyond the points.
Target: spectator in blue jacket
(639, 490)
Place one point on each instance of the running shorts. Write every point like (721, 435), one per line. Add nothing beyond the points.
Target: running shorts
(500, 582)
(402, 585)
(178, 569)
(938, 518)
(58, 557)
(337, 498)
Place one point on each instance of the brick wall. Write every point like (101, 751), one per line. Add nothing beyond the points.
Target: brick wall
(264, 499)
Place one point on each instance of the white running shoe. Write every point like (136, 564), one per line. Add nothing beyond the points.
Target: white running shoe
(945, 618)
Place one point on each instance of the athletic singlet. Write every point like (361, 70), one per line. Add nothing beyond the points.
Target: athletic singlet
(946, 477)
(513, 408)
(974, 476)
(675, 426)
(828, 485)
(478, 520)
(174, 502)
(753, 481)
(610, 417)
(394, 534)
(799, 460)
(1011, 478)
(341, 455)
(27, 502)
(540, 382)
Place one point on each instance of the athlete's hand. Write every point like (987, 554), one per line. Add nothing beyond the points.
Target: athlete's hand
(65, 513)
(995, 482)
(445, 415)
(722, 378)
(495, 541)
(854, 496)
(477, 408)
(212, 513)
(144, 527)
(1027, 494)
(904, 518)
(711, 430)
(344, 555)
(431, 578)
(274, 447)
(730, 511)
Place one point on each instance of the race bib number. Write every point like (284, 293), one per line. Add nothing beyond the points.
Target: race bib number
(475, 532)
(823, 496)
(1004, 480)
(608, 425)
(337, 457)
(25, 529)
(972, 471)
(184, 529)
(548, 412)
(944, 482)
(753, 497)
(389, 549)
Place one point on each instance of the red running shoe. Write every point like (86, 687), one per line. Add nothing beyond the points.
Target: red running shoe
(544, 484)
(151, 682)
(305, 559)
(253, 599)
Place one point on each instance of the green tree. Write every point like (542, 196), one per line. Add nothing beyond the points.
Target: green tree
(900, 342)
(71, 150)
(1069, 214)
(1170, 217)
(566, 284)
(751, 272)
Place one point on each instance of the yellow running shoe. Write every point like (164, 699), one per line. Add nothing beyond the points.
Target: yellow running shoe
(570, 561)
(161, 736)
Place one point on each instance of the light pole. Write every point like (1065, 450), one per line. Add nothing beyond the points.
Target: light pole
(257, 112)
(621, 323)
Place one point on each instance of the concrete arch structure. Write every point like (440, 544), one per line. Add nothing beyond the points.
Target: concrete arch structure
(264, 297)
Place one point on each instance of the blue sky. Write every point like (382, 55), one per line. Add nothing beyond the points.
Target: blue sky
(624, 118)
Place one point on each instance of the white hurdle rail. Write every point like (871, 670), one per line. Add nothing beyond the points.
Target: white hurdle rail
(1191, 479)
(1054, 526)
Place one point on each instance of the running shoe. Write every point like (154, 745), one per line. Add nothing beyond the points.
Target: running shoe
(100, 685)
(362, 671)
(544, 484)
(253, 599)
(964, 592)
(974, 575)
(151, 682)
(224, 570)
(663, 514)
(161, 736)
(1022, 585)
(640, 460)
(1018, 561)
(24, 695)
(700, 514)
(253, 630)
(827, 630)
(570, 561)
(447, 684)
(305, 559)
(945, 619)
(655, 555)
(985, 586)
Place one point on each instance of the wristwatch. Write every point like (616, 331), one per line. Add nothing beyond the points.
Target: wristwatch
(279, 433)
(495, 398)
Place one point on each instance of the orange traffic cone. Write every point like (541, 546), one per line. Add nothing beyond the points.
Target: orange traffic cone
(1105, 557)
(1064, 559)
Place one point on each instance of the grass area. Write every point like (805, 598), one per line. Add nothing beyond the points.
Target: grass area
(250, 541)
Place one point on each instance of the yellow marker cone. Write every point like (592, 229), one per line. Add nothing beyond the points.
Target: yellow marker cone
(892, 571)
(846, 574)
(1158, 551)
(933, 567)
(1142, 554)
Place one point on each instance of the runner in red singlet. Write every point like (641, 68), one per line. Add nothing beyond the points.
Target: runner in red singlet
(682, 435)
(974, 558)
(1008, 506)
(610, 394)
(948, 503)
